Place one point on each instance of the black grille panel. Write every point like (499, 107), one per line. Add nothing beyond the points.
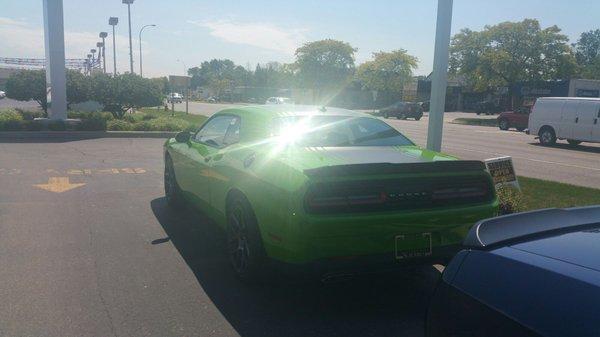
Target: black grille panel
(398, 194)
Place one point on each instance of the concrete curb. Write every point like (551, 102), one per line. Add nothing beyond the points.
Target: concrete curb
(84, 134)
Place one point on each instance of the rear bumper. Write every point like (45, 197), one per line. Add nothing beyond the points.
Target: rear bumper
(362, 265)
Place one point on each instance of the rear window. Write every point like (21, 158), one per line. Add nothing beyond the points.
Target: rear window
(336, 131)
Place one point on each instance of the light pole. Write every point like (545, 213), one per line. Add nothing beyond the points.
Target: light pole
(100, 48)
(187, 90)
(141, 30)
(128, 3)
(89, 63)
(103, 36)
(93, 51)
(113, 21)
(439, 81)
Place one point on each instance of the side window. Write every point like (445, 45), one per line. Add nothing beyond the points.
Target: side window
(233, 132)
(215, 131)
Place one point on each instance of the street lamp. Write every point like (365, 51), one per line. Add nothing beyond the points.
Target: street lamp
(89, 64)
(141, 30)
(100, 47)
(128, 3)
(93, 51)
(113, 21)
(103, 36)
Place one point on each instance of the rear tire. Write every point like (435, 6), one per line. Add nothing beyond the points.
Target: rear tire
(573, 142)
(547, 136)
(244, 244)
(503, 124)
(418, 118)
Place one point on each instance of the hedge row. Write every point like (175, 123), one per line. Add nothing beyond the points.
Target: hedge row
(16, 120)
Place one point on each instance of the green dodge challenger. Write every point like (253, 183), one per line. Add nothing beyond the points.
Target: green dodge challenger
(324, 190)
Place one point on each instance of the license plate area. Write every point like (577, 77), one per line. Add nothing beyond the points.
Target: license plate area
(409, 246)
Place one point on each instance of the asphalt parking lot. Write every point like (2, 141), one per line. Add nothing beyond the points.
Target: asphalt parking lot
(89, 248)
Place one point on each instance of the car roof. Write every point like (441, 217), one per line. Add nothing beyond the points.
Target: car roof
(283, 110)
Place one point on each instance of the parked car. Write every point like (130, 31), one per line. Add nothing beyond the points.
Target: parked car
(2, 94)
(518, 119)
(212, 99)
(570, 118)
(403, 110)
(324, 190)
(278, 100)
(174, 98)
(529, 274)
(487, 107)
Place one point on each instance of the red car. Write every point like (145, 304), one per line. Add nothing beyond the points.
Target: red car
(517, 119)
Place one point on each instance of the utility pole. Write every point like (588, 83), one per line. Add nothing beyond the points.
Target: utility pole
(439, 81)
(54, 41)
(113, 21)
(103, 36)
(128, 3)
(141, 30)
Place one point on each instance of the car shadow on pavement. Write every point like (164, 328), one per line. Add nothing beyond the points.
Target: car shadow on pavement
(384, 305)
(565, 146)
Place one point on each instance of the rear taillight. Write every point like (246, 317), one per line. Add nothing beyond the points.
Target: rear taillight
(344, 199)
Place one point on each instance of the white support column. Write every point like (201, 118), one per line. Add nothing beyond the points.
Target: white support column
(439, 81)
(54, 39)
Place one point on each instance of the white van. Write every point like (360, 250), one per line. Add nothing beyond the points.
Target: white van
(570, 118)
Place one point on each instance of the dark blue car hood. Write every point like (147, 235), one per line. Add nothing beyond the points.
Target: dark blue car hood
(579, 248)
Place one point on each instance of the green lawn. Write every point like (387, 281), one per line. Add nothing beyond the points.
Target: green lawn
(476, 121)
(547, 194)
(194, 119)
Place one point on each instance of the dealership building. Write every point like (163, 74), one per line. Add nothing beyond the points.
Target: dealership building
(460, 98)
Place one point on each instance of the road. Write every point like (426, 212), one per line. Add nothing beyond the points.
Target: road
(578, 166)
(106, 257)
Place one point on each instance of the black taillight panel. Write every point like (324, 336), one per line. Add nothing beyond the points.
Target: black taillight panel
(397, 194)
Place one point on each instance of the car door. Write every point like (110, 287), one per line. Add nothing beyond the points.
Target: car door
(224, 164)
(568, 120)
(584, 123)
(521, 117)
(596, 127)
(204, 145)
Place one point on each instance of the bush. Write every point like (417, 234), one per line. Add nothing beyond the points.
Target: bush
(57, 126)
(93, 124)
(29, 115)
(511, 199)
(10, 115)
(106, 116)
(118, 125)
(142, 126)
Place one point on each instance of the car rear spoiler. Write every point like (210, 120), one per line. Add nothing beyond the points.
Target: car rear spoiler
(392, 168)
(508, 229)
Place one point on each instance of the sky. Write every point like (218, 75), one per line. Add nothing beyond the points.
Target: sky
(250, 32)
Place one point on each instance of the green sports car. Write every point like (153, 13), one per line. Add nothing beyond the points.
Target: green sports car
(324, 190)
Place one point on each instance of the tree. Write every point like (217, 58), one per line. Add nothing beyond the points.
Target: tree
(511, 52)
(325, 65)
(388, 71)
(78, 87)
(587, 53)
(27, 85)
(215, 73)
(123, 92)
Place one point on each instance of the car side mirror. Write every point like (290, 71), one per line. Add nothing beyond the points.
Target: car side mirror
(183, 137)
